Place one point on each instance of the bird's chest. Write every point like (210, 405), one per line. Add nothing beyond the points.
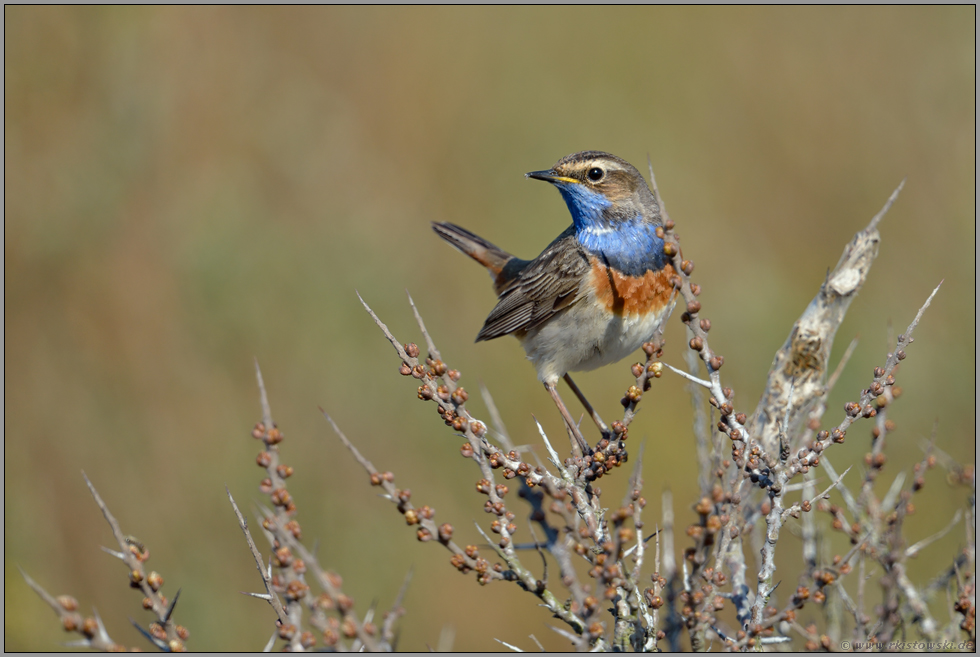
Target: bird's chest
(616, 316)
(613, 316)
(633, 298)
(630, 308)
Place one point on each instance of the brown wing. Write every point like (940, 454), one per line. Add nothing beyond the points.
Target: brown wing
(545, 286)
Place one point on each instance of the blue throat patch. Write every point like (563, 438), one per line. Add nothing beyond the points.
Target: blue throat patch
(630, 246)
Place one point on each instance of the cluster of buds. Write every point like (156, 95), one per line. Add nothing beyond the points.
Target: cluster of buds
(274, 485)
(731, 423)
(644, 373)
(607, 454)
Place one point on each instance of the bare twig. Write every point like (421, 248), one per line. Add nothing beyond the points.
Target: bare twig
(396, 612)
(913, 550)
(270, 596)
(689, 377)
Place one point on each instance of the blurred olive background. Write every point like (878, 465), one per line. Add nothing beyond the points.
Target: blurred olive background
(187, 189)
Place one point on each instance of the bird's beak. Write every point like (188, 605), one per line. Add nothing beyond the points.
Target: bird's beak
(549, 176)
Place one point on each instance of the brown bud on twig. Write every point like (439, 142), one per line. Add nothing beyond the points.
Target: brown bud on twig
(281, 497)
(154, 580)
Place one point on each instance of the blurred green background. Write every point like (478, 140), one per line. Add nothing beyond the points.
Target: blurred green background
(189, 188)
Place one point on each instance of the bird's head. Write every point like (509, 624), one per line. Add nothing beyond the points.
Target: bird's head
(601, 190)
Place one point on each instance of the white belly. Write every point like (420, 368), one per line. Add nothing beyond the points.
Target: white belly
(585, 337)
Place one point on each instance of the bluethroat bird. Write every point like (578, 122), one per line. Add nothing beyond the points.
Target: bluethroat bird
(596, 293)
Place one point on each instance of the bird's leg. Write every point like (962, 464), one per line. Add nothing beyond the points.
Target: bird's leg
(578, 442)
(588, 407)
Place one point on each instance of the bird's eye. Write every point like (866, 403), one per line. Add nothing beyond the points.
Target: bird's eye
(595, 174)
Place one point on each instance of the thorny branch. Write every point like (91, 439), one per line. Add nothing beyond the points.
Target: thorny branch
(331, 613)
(164, 633)
(264, 572)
